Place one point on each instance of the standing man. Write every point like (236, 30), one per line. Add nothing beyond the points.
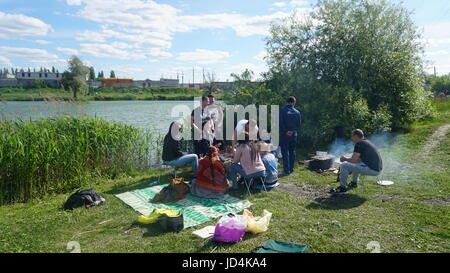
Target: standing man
(216, 114)
(203, 128)
(290, 120)
(365, 160)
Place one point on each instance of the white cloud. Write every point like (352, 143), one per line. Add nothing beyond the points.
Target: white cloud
(14, 25)
(260, 56)
(109, 51)
(299, 3)
(5, 61)
(163, 19)
(39, 57)
(279, 4)
(43, 42)
(436, 53)
(203, 56)
(26, 52)
(440, 60)
(437, 31)
(68, 51)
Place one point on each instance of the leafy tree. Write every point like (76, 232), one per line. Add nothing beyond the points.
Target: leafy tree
(91, 73)
(75, 76)
(112, 74)
(39, 84)
(352, 61)
(438, 84)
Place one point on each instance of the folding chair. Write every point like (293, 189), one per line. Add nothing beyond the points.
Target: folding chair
(362, 178)
(248, 183)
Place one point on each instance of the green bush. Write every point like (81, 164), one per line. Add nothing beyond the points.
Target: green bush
(58, 155)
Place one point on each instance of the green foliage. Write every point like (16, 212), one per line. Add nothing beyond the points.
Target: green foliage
(75, 77)
(39, 84)
(260, 95)
(91, 73)
(351, 62)
(437, 85)
(59, 155)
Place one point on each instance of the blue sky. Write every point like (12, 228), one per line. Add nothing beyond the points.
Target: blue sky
(148, 39)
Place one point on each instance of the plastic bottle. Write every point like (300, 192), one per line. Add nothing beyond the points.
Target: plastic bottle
(154, 183)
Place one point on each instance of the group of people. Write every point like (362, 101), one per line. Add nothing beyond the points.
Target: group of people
(252, 157)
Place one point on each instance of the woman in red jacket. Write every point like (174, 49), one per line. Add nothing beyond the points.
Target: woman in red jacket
(211, 179)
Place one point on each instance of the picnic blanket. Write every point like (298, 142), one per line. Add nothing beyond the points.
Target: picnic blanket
(196, 210)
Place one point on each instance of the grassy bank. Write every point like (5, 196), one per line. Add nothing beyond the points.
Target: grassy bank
(410, 216)
(100, 94)
(48, 156)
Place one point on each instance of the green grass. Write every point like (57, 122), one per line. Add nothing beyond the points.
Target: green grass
(43, 156)
(410, 216)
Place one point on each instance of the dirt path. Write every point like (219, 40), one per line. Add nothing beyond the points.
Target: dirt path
(434, 140)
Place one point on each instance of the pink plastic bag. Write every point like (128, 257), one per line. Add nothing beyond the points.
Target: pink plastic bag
(230, 229)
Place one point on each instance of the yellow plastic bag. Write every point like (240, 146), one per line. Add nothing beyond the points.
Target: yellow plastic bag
(257, 224)
(153, 217)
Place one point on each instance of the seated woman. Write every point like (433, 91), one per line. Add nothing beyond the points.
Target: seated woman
(172, 154)
(270, 163)
(211, 179)
(246, 162)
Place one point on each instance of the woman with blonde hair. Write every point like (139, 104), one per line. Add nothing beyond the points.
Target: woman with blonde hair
(211, 179)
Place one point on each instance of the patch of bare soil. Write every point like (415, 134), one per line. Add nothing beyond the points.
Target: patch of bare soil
(305, 190)
(434, 139)
(440, 201)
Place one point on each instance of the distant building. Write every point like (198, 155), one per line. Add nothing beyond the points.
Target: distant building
(161, 83)
(117, 82)
(28, 79)
(142, 83)
(95, 84)
(7, 80)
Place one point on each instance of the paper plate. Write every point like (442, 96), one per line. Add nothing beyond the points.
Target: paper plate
(385, 183)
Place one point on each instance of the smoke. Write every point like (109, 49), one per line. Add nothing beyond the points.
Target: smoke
(393, 165)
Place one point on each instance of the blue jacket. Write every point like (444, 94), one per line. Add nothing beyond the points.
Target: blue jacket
(290, 119)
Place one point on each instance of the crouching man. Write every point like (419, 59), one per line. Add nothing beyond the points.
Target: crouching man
(365, 160)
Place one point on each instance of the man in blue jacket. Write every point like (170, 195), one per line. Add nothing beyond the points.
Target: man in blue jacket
(290, 120)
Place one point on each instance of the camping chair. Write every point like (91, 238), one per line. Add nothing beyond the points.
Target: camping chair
(362, 178)
(249, 182)
(164, 166)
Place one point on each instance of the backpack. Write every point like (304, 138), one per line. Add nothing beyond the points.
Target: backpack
(87, 198)
(273, 246)
(172, 223)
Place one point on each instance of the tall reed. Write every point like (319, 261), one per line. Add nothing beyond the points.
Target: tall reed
(60, 154)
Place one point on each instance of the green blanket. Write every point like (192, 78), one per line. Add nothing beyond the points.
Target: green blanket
(196, 210)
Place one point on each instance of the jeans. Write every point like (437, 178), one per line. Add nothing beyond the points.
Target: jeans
(184, 160)
(237, 169)
(356, 169)
(288, 146)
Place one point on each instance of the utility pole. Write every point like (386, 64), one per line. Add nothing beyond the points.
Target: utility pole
(193, 77)
(435, 74)
(203, 75)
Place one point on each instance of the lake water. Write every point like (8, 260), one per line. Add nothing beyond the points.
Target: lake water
(141, 114)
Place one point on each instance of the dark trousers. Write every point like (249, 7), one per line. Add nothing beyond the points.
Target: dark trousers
(201, 147)
(288, 146)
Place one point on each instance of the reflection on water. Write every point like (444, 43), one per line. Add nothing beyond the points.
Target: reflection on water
(141, 114)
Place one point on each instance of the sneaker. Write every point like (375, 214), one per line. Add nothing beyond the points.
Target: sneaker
(339, 190)
(352, 185)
